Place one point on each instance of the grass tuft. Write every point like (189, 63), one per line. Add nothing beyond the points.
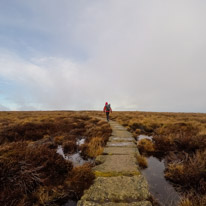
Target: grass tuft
(142, 161)
(145, 146)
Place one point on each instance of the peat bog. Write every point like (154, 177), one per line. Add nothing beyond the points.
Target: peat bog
(179, 140)
(31, 170)
(39, 153)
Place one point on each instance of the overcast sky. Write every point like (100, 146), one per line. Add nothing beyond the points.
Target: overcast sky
(77, 54)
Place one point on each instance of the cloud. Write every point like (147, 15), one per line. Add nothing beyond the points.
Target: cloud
(3, 108)
(48, 82)
(138, 55)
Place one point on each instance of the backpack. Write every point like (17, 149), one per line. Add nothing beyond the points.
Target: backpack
(108, 108)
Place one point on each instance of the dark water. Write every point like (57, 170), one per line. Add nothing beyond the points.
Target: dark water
(70, 203)
(159, 187)
(77, 160)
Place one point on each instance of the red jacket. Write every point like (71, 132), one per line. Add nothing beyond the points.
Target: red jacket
(105, 109)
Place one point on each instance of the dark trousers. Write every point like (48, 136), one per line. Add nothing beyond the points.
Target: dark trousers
(107, 114)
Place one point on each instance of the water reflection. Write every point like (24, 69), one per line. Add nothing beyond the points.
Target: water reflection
(75, 158)
(144, 137)
(159, 187)
(70, 203)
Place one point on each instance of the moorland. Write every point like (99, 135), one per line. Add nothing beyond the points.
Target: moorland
(179, 139)
(31, 170)
(33, 173)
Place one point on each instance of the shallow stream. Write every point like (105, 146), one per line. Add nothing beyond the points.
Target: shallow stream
(159, 187)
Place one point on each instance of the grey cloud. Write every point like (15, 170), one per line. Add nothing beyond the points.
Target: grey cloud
(146, 55)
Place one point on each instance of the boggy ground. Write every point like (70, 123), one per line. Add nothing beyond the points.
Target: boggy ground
(31, 171)
(179, 138)
(118, 180)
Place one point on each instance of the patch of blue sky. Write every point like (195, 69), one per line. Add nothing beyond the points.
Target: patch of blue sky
(24, 43)
(30, 31)
(5, 85)
(28, 43)
(9, 88)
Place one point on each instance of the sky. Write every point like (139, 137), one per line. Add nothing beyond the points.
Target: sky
(138, 55)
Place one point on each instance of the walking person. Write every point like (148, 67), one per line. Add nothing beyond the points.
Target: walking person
(107, 109)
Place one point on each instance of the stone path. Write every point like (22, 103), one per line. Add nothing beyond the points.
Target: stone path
(118, 179)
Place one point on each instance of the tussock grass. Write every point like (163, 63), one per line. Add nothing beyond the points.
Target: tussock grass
(32, 173)
(180, 138)
(142, 161)
(70, 147)
(185, 202)
(191, 173)
(93, 148)
(146, 146)
(193, 199)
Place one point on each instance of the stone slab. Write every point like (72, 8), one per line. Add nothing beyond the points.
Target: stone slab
(118, 180)
(115, 165)
(119, 133)
(90, 203)
(121, 144)
(121, 139)
(117, 189)
(120, 151)
(100, 159)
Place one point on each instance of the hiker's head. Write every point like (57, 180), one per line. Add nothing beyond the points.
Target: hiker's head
(106, 103)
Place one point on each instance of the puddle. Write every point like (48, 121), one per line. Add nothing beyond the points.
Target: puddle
(70, 203)
(75, 158)
(80, 141)
(144, 137)
(159, 187)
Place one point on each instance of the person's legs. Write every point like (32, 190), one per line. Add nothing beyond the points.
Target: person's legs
(107, 113)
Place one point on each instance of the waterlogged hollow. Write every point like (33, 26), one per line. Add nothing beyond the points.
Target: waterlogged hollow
(144, 137)
(77, 160)
(70, 203)
(159, 187)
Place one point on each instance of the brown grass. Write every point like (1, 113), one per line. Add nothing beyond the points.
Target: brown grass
(142, 161)
(25, 168)
(146, 146)
(93, 148)
(178, 137)
(185, 202)
(80, 179)
(70, 147)
(31, 171)
(193, 199)
(191, 173)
